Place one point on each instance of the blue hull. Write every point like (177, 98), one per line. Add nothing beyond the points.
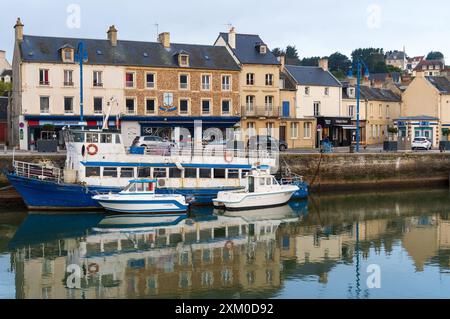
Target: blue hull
(303, 192)
(44, 195)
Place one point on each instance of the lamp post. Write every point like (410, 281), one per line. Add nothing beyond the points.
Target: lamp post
(81, 56)
(359, 65)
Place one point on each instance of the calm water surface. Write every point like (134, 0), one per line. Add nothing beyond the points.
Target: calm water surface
(317, 249)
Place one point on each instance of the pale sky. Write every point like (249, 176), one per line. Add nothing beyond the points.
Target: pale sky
(315, 27)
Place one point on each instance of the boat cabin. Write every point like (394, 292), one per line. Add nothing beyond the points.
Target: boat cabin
(260, 181)
(144, 186)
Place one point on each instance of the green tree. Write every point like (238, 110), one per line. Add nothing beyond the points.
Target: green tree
(339, 64)
(372, 57)
(391, 68)
(312, 61)
(292, 54)
(278, 52)
(435, 55)
(5, 88)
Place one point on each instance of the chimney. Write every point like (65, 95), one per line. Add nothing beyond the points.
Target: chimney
(19, 30)
(112, 35)
(232, 38)
(164, 39)
(323, 63)
(282, 60)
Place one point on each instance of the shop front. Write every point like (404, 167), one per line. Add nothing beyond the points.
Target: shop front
(411, 127)
(340, 131)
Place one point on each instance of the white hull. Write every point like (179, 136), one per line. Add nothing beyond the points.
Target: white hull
(246, 200)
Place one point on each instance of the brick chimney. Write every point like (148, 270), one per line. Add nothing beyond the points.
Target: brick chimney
(164, 39)
(112, 35)
(323, 63)
(232, 38)
(282, 60)
(19, 30)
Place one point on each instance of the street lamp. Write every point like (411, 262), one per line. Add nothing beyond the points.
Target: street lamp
(81, 56)
(360, 64)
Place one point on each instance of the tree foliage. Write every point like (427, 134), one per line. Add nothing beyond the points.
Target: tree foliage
(339, 63)
(5, 88)
(435, 55)
(372, 57)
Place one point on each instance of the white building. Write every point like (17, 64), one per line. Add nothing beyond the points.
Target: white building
(5, 68)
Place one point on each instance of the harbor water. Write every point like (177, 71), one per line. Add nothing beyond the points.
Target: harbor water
(392, 244)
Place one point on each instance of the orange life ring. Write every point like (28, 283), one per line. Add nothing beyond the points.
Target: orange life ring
(92, 152)
(93, 268)
(228, 156)
(229, 245)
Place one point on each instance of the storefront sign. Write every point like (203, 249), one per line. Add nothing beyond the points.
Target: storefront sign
(424, 123)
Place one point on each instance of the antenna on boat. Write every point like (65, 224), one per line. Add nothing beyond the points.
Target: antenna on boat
(112, 100)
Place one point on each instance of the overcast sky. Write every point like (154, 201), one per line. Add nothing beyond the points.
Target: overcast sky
(315, 27)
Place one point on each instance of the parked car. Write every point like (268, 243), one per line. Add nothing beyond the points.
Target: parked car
(266, 142)
(421, 143)
(153, 143)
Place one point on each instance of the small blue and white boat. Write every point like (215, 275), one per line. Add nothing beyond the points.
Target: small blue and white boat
(140, 197)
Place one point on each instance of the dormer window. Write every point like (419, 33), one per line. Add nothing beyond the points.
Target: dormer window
(183, 60)
(67, 53)
(262, 49)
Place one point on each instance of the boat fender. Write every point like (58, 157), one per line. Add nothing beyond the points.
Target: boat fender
(228, 156)
(83, 150)
(93, 268)
(229, 245)
(92, 149)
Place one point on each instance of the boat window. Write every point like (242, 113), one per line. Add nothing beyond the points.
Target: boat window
(244, 173)
(109, 171)
(118, 139)
(174, 172)
(262, 181)
(219, 173)
(92, 171)
(274, 181)
(78, 137)
(106, 138)
(159, 172)
(143, 172)
(233, 173)
(127, 172)
(140, 187)
(190, 173)
(251, 184)
(205, 173)
(91, 138)
(268, 181)
(130, 188)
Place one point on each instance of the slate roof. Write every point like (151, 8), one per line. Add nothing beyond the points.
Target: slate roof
(128, 53)
(6, 72)
(382, 77)
(396, 55)
(3, 108)
(419, 117)
(246, 50)
(311, 75)
(374, 94)
(440, 82)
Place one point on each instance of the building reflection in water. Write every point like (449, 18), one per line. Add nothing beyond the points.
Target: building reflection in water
(224, 255)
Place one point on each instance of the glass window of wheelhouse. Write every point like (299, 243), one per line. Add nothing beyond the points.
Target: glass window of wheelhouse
(159, 172)
(205, 173)
(109, 171)
(127, 172)
(91, 137)
(92, 171)
(174, 172)
(106, 138)
(219, 173)
(144, 172)
(190, 173)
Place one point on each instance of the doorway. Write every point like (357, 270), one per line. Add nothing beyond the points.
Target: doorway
(282, 133)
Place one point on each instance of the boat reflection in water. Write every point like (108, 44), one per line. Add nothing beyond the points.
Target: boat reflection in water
(129, 256)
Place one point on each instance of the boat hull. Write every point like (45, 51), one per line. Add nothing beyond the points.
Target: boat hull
(255, 201)
(119, 204)
(46, 195)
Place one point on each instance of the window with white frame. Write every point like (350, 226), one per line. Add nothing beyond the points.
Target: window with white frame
(226, 82)
(44, 77)
(184, 81)
(316, 108)
(98, 105)
(129, 79)
(307, 129)
(269, 79)
(68, 78)
(250, 102)
(44, 104)
(206, 107)
(130, 105)
(294, 130)
(184, 106)
(68, 105)
(206, 82)
(150, 79)
(269, 128)
(226, 107)
(98, 81)
(250, 78)
(150, 106)
(269, 102)
(351, 110)
(251, 129)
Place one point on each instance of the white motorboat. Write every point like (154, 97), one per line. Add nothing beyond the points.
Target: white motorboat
(262, 190)
(140, 197)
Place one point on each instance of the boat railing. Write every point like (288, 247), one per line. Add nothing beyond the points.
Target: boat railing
(38, 171)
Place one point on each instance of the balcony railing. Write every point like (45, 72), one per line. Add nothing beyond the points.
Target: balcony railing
(262, 111)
